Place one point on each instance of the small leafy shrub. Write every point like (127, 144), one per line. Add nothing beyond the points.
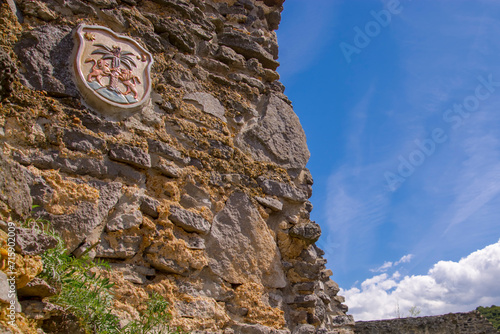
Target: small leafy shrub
(88, 295)
(491, 313)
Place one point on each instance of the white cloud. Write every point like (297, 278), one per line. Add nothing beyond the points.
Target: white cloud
(388, 264)
(404, 259)
(448, 287)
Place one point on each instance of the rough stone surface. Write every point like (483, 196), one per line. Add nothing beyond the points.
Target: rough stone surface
(240, 246)
(14, 189)
(134, 273)
(126, 213)
(245, 46)
(5, 293)
(88, 219)
(130, 155)
(7, 75)
(277, 135)
(200, 195)
(309, 232)
(150, 206)
(30, 242)
(82, 166)
(37, 288)
(40, 310)
(206, 103)
(472, 322)
(283, 190)
(79, 141)
(44, 53)
(271, 203)
(189, 221)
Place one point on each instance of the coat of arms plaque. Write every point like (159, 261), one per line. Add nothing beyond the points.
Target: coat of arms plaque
(112, 71)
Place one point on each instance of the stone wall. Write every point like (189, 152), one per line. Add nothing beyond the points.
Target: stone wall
(453, 323)
(202, 195)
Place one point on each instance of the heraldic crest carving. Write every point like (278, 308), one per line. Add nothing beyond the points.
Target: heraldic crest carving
(112, 71)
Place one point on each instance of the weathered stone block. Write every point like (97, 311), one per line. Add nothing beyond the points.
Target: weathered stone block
(150, 206)
(29, 242)
(277, 136)
(44, 53)
(88, 219)
(270, 202)
(165, 150)
(37, 288)
(165, 265)
(78, 140)
(133, 273)
(7, 76)
(309, 232)
(124, 247)
(240, 246)
(284, 190)
(206, 103)
(134, 156)
(14, 189)
(188, 220)
(245, 46)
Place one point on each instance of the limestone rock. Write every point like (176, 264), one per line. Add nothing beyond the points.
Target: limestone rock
(44, 53)
(277, 136)
(6, 295)
(165, 265)
(38, 9)
(309, 232)
(305, 329)
(245, 46)
(256, 329)
(82, 166)
(14, 189)
(203, 308)
(284, 190)
(89, 218)
(30, 242)
(118, 247)
(165, 150)
(133, 273)
(270, 202)
(206, 103)
(240, 246)
(37, 288)
(195, 197)
(7, 76)
(4, 288)
(126, 213)
(40, 310)
(150, 206)
(80, 141)
(188, 220)
(130, 155)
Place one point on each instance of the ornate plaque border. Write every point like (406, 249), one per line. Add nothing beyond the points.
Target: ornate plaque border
(87, 88)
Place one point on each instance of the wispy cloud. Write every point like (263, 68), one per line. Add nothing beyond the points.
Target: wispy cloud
(388, 264)
(404, 259)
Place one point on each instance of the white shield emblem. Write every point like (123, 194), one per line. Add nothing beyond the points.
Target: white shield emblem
(111, 71)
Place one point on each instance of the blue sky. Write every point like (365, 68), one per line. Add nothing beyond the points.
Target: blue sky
(402, 122)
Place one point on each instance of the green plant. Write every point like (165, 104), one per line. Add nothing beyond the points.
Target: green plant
(414, 311)
(88, 295)
(491, 313)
